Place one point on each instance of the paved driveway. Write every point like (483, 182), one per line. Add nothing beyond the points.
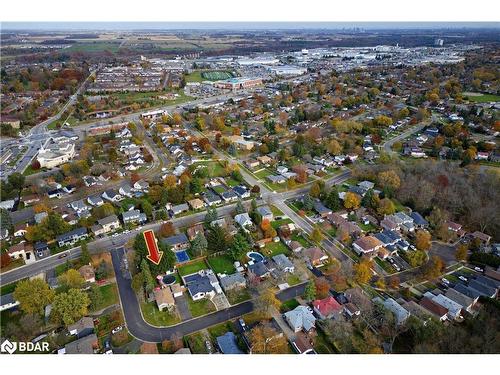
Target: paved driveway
(182, 307)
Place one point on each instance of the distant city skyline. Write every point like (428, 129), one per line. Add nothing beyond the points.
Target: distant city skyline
(163, 26)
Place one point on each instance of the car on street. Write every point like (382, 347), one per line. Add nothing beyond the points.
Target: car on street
(62, 256)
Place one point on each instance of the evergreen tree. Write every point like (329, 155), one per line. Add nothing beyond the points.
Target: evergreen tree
(199, 245)
(332, 200)
(85, 258)
(148, 278)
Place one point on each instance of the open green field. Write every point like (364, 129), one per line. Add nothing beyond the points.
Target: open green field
(94, 47)
(158, 318)
(188, 269)
(481, 98)
(221, 264)
(215, 169)
(216, 75)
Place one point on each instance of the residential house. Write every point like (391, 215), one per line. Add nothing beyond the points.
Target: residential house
(126, 190)
(400, 313)
(266, 213)
(228, 344)
(466, 302)
(20, 229)
(134, 216)
(21, 251)
(199, 285)
(243, 220)
(367, 245)
(211, 199)
(95, 200)
(300, 319)
(315, 256)
(418, 220)
(177, 242)
(259, 269)
(193, 231)
(326, 308)
(87, 272)
(241, 191)
(141, 185)
(71, 237)
(283, 263)
(109, 223)
(232, 282)
(454, 309)
(41, 249)
(196, 204)
(83, 327)
(84, 345)
(112, 196)
(434, 308)
(179, 208)
(164, 298)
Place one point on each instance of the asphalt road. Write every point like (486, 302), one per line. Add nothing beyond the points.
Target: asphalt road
(145, 332)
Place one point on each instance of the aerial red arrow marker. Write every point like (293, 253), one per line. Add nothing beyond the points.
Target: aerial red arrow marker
(154, 254)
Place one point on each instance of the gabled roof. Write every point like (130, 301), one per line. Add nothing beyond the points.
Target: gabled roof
(176, 239)
(327, 306)
(227, 344)
(258, 269)
(301, 318)
(433, 307)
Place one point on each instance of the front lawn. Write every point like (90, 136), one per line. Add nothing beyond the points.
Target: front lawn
(274, 248)
(221, 264)
(158, 318)
(8, 288)
(276, 211)
(237, 296)
(220, 329)
(194, 267)
(200, 307)
(196, 343)
(301, 239)
(121, 338)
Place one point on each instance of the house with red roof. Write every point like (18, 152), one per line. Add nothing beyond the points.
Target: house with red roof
(326, 308)
(437, 310)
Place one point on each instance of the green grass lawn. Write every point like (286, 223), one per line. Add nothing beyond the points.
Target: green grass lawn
(215, 169)
(276, 211)
(277, 223)
(293, 280)
(303, 241)
(110, 296)
(200, 307)
(237, 296)
(196, 343)
(194, 77)
(8, 288)
(262, 174)
(274, 248)
(289, 305)
(220, 329)
(188, 269)
(158, 318)
(97, 46)
(221, 264)
(231, 183)
(385, 265)
(483, 98)
(367, 227)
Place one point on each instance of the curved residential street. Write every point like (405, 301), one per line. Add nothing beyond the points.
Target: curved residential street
(145, 332)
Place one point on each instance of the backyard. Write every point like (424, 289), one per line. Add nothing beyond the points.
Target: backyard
(193, 267)
(221, 264)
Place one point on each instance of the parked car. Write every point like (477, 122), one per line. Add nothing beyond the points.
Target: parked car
(445, 281)
(478, 269)
(463, 278)
(242, 324)
(117, 329)
(208, 345)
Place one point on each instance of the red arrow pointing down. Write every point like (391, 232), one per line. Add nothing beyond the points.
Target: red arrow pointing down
(154, 254)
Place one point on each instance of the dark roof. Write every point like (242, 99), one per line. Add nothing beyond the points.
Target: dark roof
(198, 284)
(418, 219)
(75, 232)
(40, 245)
(7, 298)
(240, 190)
(465, 290)
(22, 216)
(320, 208)
(176, 239)
(485, 290)
(258, 269)
(227, 344)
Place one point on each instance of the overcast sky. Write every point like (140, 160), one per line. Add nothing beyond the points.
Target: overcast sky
(57, 26)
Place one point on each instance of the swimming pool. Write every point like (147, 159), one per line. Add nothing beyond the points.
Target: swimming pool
(255, 256)
(168, 279)
(182, 256)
